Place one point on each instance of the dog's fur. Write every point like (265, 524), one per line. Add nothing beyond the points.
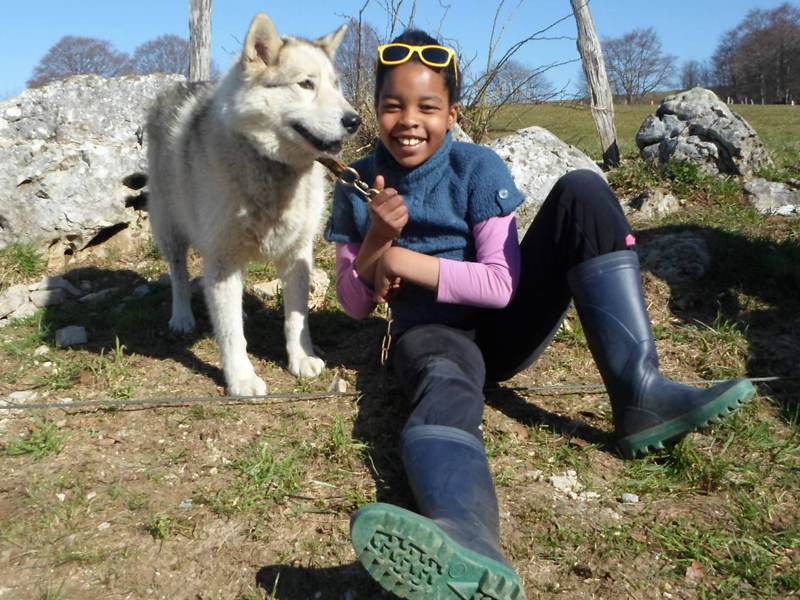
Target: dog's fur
(232, 173)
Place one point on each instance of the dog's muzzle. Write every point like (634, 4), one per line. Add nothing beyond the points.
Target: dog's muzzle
(350, 121)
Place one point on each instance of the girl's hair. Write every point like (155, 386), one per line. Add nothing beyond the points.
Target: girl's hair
(416, 37)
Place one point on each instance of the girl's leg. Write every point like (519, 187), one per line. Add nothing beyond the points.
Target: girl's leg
(578, 246)
(580, 219)
(453, 545)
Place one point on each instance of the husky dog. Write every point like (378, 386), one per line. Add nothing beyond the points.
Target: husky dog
(232, 174)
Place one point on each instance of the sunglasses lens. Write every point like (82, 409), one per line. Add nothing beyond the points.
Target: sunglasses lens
(393, 53)
(436, 56)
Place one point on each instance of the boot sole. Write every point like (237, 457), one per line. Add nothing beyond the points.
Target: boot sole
(654, 438)
(412, 557)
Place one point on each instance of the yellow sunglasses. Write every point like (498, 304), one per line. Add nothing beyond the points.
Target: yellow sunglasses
(431, 55)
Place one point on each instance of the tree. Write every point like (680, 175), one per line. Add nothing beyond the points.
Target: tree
(636, 63)
(165, 54)
(760, 57)
(74, 55)
(693, 74)
(200, 40)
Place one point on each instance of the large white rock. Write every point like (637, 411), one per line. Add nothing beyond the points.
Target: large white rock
(64, 149)
(537, 159)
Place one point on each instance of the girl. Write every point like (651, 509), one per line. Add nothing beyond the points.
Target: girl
(439, 244)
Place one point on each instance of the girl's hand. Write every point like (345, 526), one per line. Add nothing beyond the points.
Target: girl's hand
(388, 211)
(386, 280)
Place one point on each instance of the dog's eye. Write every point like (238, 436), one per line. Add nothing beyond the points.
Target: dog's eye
(306, 84)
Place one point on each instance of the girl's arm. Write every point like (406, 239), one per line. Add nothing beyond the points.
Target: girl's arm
(488, 282)
(354, 294)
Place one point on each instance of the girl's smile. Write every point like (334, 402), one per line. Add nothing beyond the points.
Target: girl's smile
(414, 113)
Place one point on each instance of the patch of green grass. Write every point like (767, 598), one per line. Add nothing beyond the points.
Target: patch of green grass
(164, 526)
(263, 478)
(42, 439)
(340, 445)
(19, 262)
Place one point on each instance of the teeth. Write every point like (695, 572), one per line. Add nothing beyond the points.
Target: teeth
(409, 141)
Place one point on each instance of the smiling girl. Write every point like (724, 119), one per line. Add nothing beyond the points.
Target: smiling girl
(469, 303)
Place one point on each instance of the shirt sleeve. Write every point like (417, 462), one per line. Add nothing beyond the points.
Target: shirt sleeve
(354, 294)
(490, 281)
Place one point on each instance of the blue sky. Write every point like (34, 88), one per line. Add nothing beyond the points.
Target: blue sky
(687, 28)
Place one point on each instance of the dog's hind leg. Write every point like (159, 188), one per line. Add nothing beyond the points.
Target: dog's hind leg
(223, 289)
(182, 319)
(295, 272)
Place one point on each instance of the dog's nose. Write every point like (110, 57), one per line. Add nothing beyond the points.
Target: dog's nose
(351, 122)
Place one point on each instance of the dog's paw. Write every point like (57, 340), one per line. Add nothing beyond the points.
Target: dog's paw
(251, 385)
(306, 366)
(182, 324)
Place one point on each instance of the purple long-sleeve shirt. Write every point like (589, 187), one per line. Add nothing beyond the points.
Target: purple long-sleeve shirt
(490, 281)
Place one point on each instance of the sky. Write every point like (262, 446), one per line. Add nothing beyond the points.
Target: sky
(688, 29)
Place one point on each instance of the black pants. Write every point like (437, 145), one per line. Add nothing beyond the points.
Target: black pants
(443, 369)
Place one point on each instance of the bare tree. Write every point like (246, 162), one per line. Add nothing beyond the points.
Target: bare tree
(74, 55)
(165, 54)
(693, 74)
(636, 63)
(200, 40)
(760, 58)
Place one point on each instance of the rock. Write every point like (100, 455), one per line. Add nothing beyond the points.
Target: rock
(12, 298)
(338, 385)
(652, 204)
(73, 335)
(318, 288)
(41, 350)
(568, 482)
(21, 396)
(55, 283)
(773, 198)
(537, 159)
(98, 296)
(697, 126)
(268, 289)
(674, 257)
(140, 291)
(629, 498)
(41, 298)
(64, 150)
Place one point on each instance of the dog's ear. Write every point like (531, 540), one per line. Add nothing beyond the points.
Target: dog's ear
(330, 43)
(263, 41)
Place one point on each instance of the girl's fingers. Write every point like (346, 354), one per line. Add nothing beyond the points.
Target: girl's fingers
(379, 183)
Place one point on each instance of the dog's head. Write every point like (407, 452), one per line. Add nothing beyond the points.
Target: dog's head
(284, 94)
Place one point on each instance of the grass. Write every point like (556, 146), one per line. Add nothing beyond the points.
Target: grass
(43, 439)
(20, 262)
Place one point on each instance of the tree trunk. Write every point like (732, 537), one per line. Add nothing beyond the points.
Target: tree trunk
(602, 100)
(200, 40)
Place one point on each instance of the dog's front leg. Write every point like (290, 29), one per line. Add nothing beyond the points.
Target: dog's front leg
(223, 289)
(295, 272)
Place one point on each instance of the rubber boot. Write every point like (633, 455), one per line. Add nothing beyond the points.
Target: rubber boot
(452, 549)
(649, 410)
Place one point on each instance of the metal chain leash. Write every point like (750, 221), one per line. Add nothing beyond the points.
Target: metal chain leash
(351, 178)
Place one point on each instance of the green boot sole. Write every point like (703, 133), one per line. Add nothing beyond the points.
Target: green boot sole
(412, 557)
(641, 443)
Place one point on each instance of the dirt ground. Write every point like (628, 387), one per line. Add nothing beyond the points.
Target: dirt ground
(248, 500)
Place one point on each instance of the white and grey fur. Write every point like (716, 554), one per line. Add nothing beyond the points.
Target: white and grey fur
(232, 174)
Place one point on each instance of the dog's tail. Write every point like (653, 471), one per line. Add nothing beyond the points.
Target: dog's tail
(136, 181)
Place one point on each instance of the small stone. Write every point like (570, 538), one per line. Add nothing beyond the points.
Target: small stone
(104, 525)
(21, 396)
(628, 498)
(41, 350)
(55, 283)
(12, 298)
(85, 285)
(61, 497)
(338, 385)
(268, 289)
(42, 298)
(186, 504)
(98, 296)
(73, 335)
(141, 291)
(91, 495)
(25, 310)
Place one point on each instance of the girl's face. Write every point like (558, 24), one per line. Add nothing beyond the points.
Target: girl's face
(414, 113)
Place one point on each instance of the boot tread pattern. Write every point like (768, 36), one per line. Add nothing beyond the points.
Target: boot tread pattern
(415, 561)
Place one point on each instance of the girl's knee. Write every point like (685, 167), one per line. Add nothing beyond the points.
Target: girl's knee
(583, 182)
